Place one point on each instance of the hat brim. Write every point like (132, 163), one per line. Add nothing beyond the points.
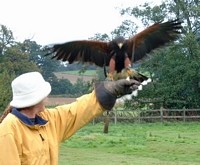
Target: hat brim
(33, 98)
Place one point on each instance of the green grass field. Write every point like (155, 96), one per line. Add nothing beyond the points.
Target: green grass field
(134, 144)
(77, 72)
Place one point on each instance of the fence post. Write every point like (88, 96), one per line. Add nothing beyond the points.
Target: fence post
(115, 112)
(184, 114)
(139, 117)
(161, 114)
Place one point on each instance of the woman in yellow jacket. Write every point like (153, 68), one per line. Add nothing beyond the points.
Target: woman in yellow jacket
(30, 134)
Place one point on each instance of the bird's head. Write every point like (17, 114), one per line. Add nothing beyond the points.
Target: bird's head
(119, 41)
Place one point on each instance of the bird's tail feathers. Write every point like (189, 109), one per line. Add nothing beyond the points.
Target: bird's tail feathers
(139, 77)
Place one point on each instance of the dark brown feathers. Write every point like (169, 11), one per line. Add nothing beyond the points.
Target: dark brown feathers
(135, 48)
(83, 51)
(153, 37)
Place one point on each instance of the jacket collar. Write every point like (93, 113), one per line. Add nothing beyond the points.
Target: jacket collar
(26, 120)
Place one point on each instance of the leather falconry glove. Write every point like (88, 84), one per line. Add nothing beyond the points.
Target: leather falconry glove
(108, 91)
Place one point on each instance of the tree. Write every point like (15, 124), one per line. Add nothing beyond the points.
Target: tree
(13, 62)
(37, 55)
(126, 29)
(62, 86)
(81, 87)
(6, 38)
(5, 89)
(175, 69)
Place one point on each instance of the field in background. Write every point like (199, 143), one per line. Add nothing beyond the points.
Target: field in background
(76, 72)
(72, 76)
(134, 144)
(54, 101)
(131, 144)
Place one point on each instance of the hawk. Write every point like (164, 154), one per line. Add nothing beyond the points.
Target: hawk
(120, 53)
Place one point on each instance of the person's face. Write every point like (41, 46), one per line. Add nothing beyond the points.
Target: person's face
(41, 105)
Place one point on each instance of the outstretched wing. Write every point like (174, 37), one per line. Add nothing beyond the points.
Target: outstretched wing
(152, 37)
(96, 52)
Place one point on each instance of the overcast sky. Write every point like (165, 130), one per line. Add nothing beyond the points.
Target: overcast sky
(53, 21)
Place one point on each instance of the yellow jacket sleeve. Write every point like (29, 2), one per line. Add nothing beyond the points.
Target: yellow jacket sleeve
(69, 118)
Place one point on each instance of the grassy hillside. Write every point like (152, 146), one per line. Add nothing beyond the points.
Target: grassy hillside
(77, 72)
(72, 76)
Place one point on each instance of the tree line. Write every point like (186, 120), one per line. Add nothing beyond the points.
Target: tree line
(17, 58)
(175, 69)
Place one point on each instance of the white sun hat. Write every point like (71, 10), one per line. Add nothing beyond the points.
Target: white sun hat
(29, 89)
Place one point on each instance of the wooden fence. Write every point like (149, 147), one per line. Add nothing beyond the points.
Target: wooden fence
(158, 115)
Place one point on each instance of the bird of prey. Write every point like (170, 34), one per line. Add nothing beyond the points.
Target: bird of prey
(120, 53)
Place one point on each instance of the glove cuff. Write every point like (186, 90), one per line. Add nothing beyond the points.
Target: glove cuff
(105, 98)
